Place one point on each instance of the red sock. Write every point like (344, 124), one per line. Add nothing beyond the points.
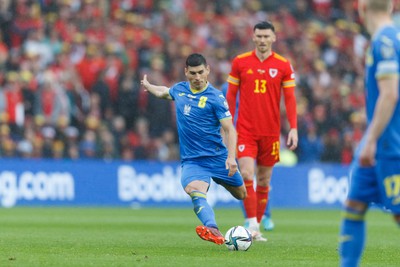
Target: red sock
(262, 200)
(250, 202)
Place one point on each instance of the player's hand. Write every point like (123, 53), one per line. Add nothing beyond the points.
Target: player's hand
(145, 82)
(293, 139)
(367, 155)
(231, 165)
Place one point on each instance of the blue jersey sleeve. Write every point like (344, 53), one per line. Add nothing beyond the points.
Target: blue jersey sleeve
(386, 56)
(222, 108)
(172, 92)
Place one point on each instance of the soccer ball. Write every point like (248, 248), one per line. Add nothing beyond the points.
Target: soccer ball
(238, 238)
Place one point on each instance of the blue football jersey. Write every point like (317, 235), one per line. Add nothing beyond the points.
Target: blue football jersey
(383, 59)
(198, 118)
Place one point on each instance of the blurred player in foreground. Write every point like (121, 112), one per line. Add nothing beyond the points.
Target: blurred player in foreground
(201, 110)
(260, 77)
(375, 173)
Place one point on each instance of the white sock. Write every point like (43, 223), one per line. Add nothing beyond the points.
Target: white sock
(253, 224)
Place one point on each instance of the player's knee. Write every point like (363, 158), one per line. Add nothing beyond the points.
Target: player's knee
(356, 205)
(240, 194)
(247, 175)
(263, 181)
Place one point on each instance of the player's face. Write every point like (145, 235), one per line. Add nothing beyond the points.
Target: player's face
(263, 39)
(197, 76)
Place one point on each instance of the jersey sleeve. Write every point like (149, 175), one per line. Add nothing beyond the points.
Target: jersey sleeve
(233, 77)
(222, 108)
(288, 80)
(386, 56)
(172, 91)
(288, 85)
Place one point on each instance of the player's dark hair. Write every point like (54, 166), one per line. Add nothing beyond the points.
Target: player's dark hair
(195, 60)
(264, 25)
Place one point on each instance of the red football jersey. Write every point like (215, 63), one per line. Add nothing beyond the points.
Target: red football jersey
(260, 89)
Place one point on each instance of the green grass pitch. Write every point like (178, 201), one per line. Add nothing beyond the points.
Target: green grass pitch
(166, 237)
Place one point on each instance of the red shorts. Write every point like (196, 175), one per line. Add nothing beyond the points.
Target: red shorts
(264, 149)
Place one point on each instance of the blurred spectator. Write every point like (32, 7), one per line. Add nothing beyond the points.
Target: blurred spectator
(127, 104)
(52, 102)
(311, 146)
(88, 145)
(332, 147)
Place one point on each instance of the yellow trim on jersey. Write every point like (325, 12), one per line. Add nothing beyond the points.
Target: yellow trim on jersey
(230, 117)
(199, 91)
(387, 75)
(246, 54)
(233, 80)
(277, 56)
(290, 83)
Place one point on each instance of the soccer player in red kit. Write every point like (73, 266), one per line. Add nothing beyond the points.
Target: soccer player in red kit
(259, 78)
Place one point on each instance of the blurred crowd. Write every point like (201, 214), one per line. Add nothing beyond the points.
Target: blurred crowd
(70, 72)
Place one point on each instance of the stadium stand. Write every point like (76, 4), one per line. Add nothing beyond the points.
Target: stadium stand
(70, 71)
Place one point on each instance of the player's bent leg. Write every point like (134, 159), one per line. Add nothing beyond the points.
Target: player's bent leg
(352, 233)
(238, 192)
(209, 230)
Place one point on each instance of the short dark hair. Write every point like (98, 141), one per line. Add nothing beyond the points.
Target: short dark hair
(195, 60)
(264, 25)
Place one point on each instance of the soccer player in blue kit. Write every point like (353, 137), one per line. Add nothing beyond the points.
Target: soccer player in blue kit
(201, 111)
(375, 173)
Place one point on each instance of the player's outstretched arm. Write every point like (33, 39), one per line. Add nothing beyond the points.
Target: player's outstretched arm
(159, 91)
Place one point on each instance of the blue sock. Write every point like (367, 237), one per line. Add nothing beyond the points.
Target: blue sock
(202, 209)
(243, 210)
(352, 238)
(267, 212)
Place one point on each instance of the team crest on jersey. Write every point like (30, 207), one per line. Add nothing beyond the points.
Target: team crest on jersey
(186, 109)
(241, 148)
(273, 73)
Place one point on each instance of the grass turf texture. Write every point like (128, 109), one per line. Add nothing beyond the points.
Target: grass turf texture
(166, 237)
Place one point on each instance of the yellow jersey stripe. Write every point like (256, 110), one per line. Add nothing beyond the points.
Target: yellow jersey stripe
(277, 56)
(288, 84)
(245, 54)
(233, 80)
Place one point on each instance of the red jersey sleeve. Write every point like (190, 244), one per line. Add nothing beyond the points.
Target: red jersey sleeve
(288, 86)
